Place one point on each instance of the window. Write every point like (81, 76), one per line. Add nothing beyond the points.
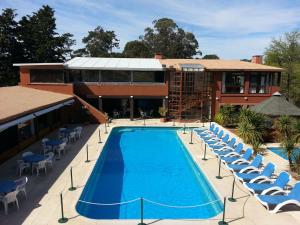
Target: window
(276, 79)
(149, 76)
(90, 75)
(75, 76)
(233, 82)
(115, 76)
(259, 83)
(46, 76)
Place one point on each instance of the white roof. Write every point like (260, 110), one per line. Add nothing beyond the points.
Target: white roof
(37, 64)
(143, 64)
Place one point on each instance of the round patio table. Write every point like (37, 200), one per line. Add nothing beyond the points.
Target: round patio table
(65, 131)
(34, 158)
(54, 142)
(7, 186)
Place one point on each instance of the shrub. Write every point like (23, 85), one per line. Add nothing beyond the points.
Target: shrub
(219, 118)
(252, 128)
(225, 116)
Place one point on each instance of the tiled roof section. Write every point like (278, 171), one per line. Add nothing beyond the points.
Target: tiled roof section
(17, 101)
(220, 65)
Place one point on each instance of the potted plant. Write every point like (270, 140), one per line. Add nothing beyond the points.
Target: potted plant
(163, 112)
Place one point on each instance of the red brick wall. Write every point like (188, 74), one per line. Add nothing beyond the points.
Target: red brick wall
(121, 90)
(59, 88)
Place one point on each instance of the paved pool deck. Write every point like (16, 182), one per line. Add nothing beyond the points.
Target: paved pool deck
(43, 201)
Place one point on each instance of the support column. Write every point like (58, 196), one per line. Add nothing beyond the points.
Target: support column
(166, 104)
(131, 107)
(100, 103)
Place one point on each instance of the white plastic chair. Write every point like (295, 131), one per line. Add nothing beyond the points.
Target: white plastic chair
(46, 148)
(10, 197)
(21, 166)
(21, 185)
(72, 136)
(38, 166)
(26, 154)
(78, 131)
(50, 159)
(65, 140)
(61, 148)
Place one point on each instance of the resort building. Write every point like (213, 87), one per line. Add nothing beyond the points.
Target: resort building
(85, 88)
(131, 87)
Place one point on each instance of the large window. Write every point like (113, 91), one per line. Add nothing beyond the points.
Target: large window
(275, 79)
(233, 82)
(46, 76)
(115, 76)
(75, 76)
(259, 83)
(90, 75)
(149, 76)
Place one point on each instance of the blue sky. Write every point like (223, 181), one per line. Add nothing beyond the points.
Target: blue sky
(233, 29)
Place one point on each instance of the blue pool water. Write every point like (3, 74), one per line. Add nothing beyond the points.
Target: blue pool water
(279, 151)
(151, 163)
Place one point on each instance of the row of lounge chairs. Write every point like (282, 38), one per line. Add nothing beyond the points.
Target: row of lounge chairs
(259, 179)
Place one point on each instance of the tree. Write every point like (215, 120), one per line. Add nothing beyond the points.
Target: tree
(136, 49)
(40, 41)
(252, 128)
(225, 116)
(10, 50)
(99, 43)
(168, 39)
(212, 56)
(285, 52)
(287, 130)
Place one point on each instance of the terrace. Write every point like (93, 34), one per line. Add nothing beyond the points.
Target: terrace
(42, 205)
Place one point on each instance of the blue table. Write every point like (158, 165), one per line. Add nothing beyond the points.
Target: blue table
(54, 142)
(7, 186)
(65, 131)
(34, 158)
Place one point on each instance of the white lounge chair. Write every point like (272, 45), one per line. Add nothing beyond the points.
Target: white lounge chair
(278, 201)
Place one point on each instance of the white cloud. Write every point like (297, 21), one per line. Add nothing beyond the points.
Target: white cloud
(231, 29)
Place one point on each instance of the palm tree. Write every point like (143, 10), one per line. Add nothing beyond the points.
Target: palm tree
(287, 134)
(288, 146)
(248, 132)
(225, 116)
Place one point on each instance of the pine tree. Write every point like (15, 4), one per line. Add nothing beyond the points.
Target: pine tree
(10, 50)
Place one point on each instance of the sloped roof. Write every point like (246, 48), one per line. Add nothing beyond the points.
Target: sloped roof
(276, 105)
(145, 64)
(17, 101)
(220, 65)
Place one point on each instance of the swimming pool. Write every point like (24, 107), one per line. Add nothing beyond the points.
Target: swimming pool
(279, 151)
(151, 163)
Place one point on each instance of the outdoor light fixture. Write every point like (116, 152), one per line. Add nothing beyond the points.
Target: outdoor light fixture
(246, 98)
(131, 96)
(217, 98)
(167, 97)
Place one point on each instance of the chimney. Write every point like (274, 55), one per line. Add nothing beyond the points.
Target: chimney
(158, 56)
(258, 59)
